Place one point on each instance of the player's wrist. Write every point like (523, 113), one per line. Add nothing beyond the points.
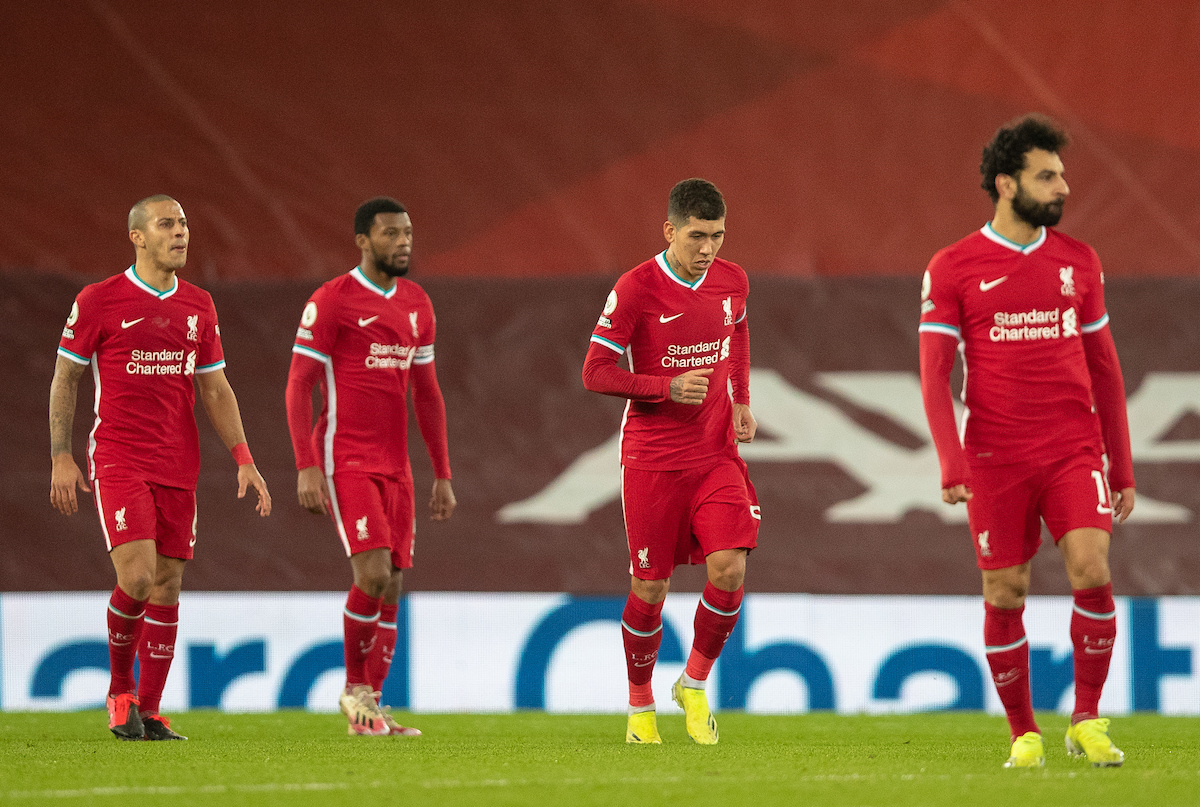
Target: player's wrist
(241, 454)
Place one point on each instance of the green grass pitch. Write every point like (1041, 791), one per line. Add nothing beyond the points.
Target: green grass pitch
(558, 760)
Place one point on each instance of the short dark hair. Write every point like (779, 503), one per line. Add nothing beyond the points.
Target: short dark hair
(138, 215)
(695, 197)
(1006, 153)
(364, 217)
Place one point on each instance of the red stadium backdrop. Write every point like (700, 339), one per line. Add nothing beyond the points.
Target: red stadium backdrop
(535, 144)
(843, 468)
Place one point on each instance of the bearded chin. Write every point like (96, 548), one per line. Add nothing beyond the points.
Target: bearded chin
(392, 271)
(1034, 214)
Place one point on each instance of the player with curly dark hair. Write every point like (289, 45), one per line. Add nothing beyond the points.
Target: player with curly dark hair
(1044, 435)
(1008, 149)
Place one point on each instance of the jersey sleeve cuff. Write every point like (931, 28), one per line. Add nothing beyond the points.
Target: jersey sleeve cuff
(66, 354)
(608, 343)
(423, 355)
(1092, 327)
(305, 350)
(939, 327)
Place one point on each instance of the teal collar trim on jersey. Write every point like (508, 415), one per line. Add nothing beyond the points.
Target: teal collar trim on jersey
(1024, 249)
(132, 274)
(665, 265)
(358, 274)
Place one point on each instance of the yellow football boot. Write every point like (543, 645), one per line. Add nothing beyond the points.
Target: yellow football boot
(701, 725)
(1090, 738)
(1027, 752)
(642, 729)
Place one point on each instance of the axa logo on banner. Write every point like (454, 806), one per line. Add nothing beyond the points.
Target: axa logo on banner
(897, 479)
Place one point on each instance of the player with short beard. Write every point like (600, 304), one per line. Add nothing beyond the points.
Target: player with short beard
(1044, 434)
(686, 494)
(145, 333)
(364, 337)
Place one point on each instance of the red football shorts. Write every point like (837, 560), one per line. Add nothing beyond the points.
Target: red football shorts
(1010, 502)
(135, 510)
(678, 517)
(374, 512)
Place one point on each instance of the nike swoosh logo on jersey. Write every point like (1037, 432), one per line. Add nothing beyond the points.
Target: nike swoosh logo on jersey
(664, 319)
(132, 322)
(1096, 651)
(362, 323)
(986, 285)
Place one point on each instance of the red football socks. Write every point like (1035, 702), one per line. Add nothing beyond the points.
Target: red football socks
(156, 650)
(716, 616)
(1008, 656)
(1093, 632)
(359, 622)
(641, 630)
(124, 633)
(379, 663)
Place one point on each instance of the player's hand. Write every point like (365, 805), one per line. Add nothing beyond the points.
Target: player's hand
(1123, 504)
(443, 502)
(691, 387)
(312, 491)
(248, 476)
(956, 494)
(744, 424)
(65, 476)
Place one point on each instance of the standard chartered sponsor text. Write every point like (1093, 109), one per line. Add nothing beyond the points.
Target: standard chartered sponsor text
(1024, 326)
(390, 357)
(701, 354)
(155, 362)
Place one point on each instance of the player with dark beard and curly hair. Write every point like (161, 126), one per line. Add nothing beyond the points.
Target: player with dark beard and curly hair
(1044, 435)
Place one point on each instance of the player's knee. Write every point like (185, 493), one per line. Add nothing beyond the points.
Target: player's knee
(1090, 574)
(728, 579)
(1006, 594)
(137, 583)
(167, 591)
(651, 591)
(729, 572)
(372, 584)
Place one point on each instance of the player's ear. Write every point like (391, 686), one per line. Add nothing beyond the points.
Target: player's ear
(668, 231)
(1006, 186)
(361, 240)
(138, 238)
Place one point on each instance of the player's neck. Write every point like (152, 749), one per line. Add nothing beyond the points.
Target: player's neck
(155, 276)
(1009, 225)
(381, 279)
(679, 270)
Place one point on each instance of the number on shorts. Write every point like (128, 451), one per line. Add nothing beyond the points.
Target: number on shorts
(1105, 506)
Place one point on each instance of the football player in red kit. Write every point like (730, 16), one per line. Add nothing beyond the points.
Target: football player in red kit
(681, 319)
(365, 336)
(1044, 434)
(146, 335)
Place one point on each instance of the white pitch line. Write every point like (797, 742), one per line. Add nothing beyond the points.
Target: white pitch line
(451, 784)
(269, 787)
